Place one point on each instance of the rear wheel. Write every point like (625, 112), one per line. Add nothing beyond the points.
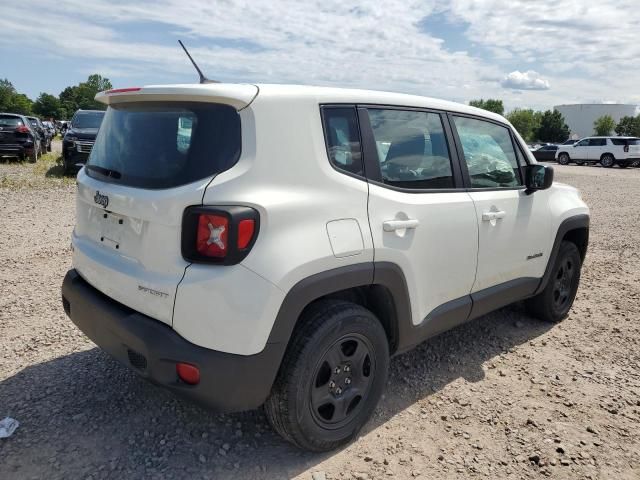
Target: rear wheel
(49, 145)
(563, 159)
(331, 378)
(607, 160)
(33, 157)
(555, 301)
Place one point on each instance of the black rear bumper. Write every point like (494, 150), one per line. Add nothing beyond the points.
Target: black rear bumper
(228, 382)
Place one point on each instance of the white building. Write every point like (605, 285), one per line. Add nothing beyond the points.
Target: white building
(580, 117)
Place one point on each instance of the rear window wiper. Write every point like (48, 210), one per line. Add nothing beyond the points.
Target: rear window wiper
(107, 172)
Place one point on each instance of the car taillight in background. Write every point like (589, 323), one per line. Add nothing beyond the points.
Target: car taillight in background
(221, 235)
(22, 129)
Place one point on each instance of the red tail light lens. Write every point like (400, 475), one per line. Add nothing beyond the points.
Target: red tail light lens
(222, 235)
(22, 129)
(246, 228)
(213, 235)
(188, 373)
(123, 90)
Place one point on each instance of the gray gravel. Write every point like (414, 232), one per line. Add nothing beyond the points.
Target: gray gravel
(502, 397)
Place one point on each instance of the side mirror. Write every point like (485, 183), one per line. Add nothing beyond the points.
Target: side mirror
(537, 177)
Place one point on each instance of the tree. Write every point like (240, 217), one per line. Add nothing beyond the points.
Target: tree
(525, 121)
(12, 101)
(491, 104)
(48, 106)
(82, 95)
(7, 91)
(629, 126)
(552, 127)
(604, 125)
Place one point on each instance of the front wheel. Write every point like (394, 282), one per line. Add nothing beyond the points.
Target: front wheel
(563, 159)
(607, 160)
(331, 378)
(555, 301)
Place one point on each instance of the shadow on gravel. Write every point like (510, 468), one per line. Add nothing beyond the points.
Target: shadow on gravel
(56, 170)
(85, 416)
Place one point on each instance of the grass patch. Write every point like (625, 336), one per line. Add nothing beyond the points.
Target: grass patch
(48, 171)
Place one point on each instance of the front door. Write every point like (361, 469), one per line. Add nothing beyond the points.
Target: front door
(421, 218)
(513, 226)
(580, 150)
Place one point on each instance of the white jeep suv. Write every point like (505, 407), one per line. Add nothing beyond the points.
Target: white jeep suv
(244, 245)
(608, 151)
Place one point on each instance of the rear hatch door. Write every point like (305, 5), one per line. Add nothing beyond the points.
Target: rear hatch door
(151, 160)
(9, 134)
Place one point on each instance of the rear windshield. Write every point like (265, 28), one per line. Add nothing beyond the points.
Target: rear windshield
(87, 120)
(10, 121)
(164, 145)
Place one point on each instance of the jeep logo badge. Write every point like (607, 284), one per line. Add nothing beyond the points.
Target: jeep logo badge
(101, 199)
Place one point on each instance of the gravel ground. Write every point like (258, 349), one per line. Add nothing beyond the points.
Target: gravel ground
(504, 396)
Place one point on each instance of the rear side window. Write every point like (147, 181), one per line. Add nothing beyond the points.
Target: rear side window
(164, 145)
(343, 139)
(412, 149)
(488, 153)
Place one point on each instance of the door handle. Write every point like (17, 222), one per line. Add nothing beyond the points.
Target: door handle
(493, 215)
(393, 225)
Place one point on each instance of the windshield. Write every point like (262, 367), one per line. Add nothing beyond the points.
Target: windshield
(87, 120)
(163, 145)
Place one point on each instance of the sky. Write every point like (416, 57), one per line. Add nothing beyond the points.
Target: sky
(531, 54)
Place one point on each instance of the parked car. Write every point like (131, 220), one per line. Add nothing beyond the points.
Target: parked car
(608, 151)
(43, 134)
(244, 245)
(546, 153)
(79, 138)
(18, 137)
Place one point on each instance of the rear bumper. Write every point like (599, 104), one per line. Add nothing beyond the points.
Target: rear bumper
(228, 382)
(10, 149)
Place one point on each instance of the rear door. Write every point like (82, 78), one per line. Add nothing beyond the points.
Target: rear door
(597, 147)
(150, 161)
(421, 218)
(9, 130)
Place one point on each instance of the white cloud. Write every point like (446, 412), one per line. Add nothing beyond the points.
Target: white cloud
(528, 80)
(348, 43)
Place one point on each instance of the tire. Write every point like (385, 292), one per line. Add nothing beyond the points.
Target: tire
(331, 378)
(635, 163)
(563, 159)
(607, 160)
(555, 301)
(623, 164)
(33, 157)
(49, 146)
(580, 162)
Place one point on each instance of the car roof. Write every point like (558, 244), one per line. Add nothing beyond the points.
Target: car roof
(241, 95)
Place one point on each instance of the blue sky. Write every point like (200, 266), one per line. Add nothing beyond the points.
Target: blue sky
(530, 54)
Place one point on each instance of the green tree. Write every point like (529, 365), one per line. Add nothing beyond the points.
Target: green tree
(7, 91)
(525, 121)
(604, 125)
(20, 103)
(491, 104)
(48, 106)
(552, 127)
(82, 95)
(628, 126)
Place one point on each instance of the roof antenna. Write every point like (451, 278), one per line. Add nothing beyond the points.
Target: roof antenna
(203, 79)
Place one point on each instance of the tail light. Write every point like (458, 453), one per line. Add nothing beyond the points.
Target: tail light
(188, 373)
(221, 235)
(22, 129)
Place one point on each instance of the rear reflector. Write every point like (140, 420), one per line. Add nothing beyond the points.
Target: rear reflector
(246, 228)
(123, 90)
(188, 373)
(213, 233)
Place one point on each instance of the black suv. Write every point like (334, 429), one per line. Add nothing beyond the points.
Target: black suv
(80, 137)
(18, 138)
(43, 133)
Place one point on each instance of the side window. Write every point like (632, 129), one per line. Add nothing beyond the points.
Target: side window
(597, 142)
(582, 143)
(488, 153)
(343, 139)
(412, 149)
